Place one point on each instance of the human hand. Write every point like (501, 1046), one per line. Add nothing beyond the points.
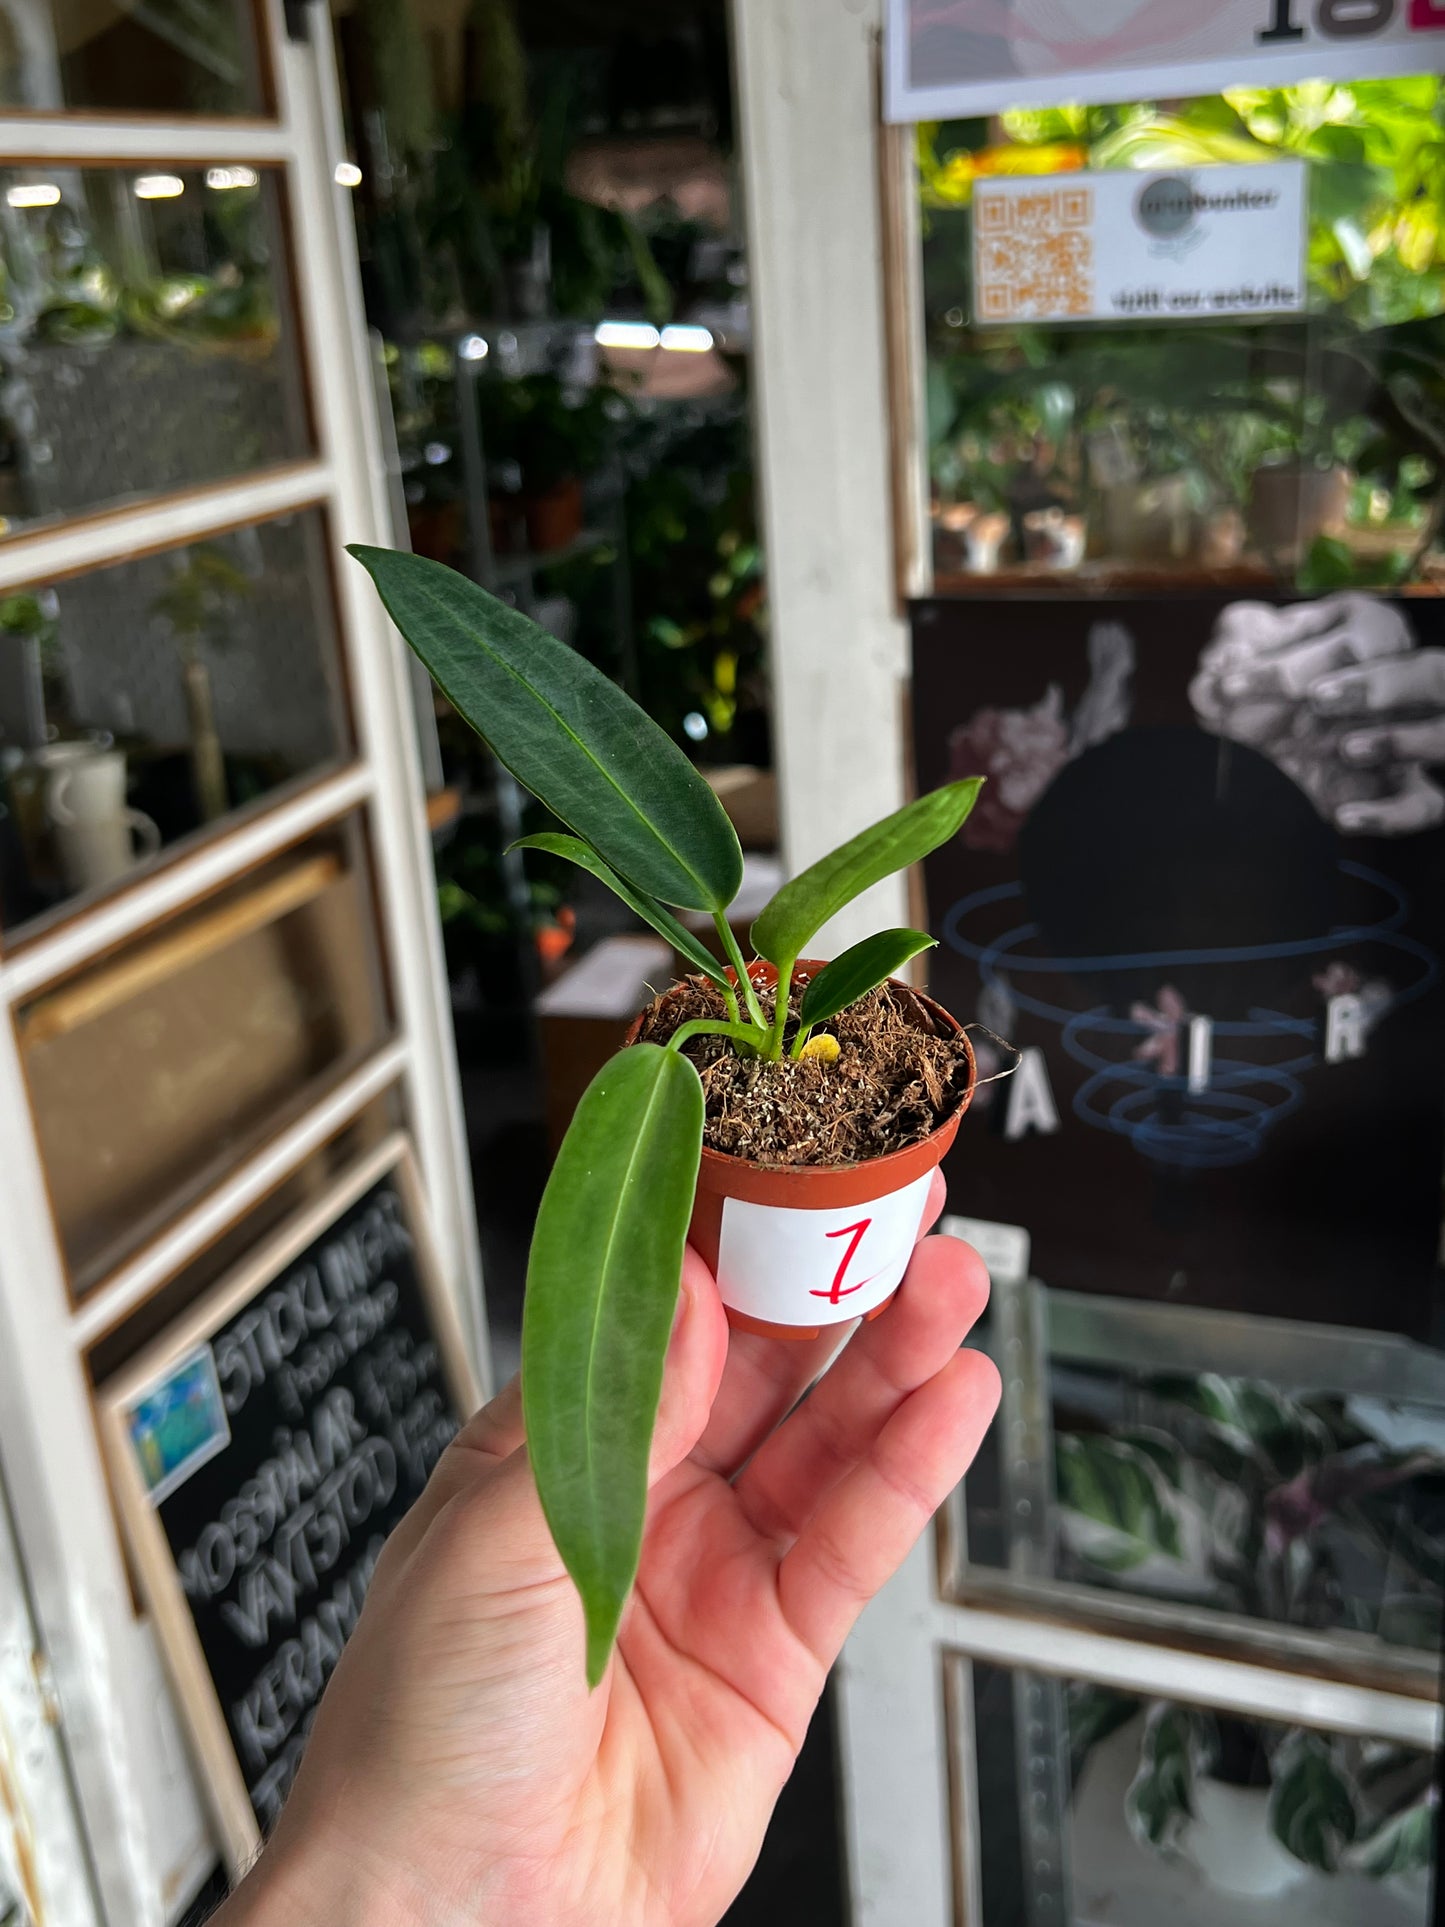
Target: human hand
(1292, 683)
(459, 1771)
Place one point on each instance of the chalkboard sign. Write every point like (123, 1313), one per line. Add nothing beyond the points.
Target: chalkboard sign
(263, 1449)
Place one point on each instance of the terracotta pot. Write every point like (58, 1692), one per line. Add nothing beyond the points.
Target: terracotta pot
(798, 1247)
(554, 518)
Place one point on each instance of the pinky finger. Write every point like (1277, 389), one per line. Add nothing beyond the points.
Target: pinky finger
(868, 1524)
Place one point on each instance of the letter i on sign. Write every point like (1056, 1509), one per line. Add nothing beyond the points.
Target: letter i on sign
(838, 1290)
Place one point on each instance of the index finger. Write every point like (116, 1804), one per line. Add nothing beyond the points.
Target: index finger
(765, 1377)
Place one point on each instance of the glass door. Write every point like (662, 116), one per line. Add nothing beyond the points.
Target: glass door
(219, 968)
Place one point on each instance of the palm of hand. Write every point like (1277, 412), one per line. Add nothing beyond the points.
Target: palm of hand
(485, 1783)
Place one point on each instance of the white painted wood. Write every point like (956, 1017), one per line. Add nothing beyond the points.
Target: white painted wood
(1205, 1679)
(93, 541)
(182, 882)
(893, 1755)
(102, 1310)
(149, 1837)
(341, 383)
(806, 83)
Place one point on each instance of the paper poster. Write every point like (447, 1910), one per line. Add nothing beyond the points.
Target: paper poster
(950, 58)
(817, 1267)
(1188, 245)
(1203, 892)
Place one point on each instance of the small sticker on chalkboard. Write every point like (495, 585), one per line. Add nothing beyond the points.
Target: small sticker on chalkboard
(176, 1425)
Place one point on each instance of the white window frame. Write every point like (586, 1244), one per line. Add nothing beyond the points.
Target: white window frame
(149, 1839)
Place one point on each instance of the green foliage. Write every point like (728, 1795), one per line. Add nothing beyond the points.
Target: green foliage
(853, 974)
(801, 908)
(551, 432)
(568, 734)
(602, 1286)
(1311, 1805)
(1158, 1804)
(574, 850)
(608, 1246)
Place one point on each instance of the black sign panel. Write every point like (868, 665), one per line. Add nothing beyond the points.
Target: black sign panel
(276, 1455)
(1203, 892)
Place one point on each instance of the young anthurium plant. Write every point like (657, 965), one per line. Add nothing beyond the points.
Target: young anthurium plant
(606, 1259)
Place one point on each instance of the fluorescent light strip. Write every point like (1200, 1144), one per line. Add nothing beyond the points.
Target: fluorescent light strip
(33, 194)
(158, 187)
(221, 178)
(347, 174)
(687, 339)
(625, 334)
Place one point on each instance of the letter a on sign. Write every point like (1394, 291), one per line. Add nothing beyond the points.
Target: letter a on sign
(1031, 1104)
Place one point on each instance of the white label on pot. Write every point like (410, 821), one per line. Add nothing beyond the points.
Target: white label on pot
(817, 1267)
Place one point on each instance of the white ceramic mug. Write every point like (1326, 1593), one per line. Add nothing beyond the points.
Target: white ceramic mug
(85, 801)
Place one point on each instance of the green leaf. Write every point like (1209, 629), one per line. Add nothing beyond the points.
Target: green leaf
(663, 922)
(802, 907)
(566, 732)
(1311, 1807)
(857, 971)
(1404, 1843)
(602, 1286)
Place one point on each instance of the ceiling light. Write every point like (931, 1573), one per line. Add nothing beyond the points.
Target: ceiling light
(33, 194)
(687, 340)
(348, 174)
(472, 348)
(158, 187)
(221, 178)
(625, 334)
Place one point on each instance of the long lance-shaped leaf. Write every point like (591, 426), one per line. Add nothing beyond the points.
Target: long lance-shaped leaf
(857, 971)
(646, 907)
(803, 906)
(602, 1287)
(566, 732)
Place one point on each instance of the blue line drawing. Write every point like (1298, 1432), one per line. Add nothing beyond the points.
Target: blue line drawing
(1227, 1123)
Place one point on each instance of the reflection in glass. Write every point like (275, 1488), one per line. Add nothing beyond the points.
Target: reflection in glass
(1135, 453)
(1320, 1508)
(1113, 1810)
(145, 335)
(162, 57)
(153, 1071)
(143, 702)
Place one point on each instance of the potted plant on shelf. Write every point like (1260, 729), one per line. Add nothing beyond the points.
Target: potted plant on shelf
(789, 1113)
(555, 436)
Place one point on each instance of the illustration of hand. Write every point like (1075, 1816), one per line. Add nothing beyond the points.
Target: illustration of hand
(1296, 683)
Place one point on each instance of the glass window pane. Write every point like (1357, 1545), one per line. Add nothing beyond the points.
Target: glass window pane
(143, 704)
(1128, 451)
(1101, 1809)
(154, 1071)
(166, 57)
(1309, 1492)
(146, 334)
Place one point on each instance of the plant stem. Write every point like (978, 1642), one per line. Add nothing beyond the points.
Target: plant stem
(781, 1001)
(745, 1035)
(745, 982)
(805, 1031)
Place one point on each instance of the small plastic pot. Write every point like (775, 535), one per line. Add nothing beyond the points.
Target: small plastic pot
(798, 1247)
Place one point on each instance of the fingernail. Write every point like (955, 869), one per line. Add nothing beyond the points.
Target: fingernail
(1236, 685)
(1351, 817)
(1358, 749)
(1330, 695)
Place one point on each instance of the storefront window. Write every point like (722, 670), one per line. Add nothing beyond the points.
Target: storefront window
(144, 703)
(200, 57)
(155, 1070)
(1308, 1492)
(1143, 449)
(146, 335)
(1124, 1811)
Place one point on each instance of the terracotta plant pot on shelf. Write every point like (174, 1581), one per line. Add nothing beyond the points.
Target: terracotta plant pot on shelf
(554, 518)
(798, 1247)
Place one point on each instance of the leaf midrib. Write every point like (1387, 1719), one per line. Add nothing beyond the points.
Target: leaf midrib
(571, 733)
(603, 1271)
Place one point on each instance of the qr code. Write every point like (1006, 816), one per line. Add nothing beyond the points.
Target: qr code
(1034, 253)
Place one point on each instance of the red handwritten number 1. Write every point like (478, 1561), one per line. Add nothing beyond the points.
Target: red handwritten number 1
(838, 1290)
